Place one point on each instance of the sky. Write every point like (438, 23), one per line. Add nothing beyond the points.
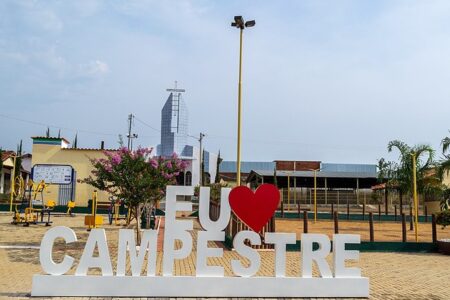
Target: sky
(332, 81)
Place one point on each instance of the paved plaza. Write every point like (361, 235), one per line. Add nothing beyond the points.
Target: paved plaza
(392, 275)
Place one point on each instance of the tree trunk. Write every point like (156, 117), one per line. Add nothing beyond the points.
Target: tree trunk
(386, 201)
(138, 224)
(401, 202)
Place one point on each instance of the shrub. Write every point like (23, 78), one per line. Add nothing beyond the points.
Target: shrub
(443, 218)
(445, 201)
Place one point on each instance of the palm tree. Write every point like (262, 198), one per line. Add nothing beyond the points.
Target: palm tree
(444, 168)
(428, 182)
(404, 172)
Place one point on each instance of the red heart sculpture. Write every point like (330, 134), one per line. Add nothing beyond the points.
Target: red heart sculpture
(254, 209)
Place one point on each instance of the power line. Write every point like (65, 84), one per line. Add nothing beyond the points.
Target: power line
(58, 127)
(152, 127)
(275, 142)
(294, 142)
(149, 126)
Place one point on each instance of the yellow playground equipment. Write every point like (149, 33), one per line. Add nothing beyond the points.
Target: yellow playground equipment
(118, 211)
(70, 206)
(25, 213)
(92, 221)
(19, 187)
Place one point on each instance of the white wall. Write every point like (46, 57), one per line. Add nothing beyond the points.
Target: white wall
(26, 164)
(194, 166)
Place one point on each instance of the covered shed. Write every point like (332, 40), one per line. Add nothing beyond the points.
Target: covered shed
(334, 182)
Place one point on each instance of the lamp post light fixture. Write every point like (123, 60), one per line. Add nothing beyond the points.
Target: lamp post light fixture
(240, 24)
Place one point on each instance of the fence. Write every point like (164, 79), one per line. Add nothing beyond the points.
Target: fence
(353, 212)
(323, 196)
(235, 225)
(357, 200)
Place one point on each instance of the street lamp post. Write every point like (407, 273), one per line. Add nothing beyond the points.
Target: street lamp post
(240, 24)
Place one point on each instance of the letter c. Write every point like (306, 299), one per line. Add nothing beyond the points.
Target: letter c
(46, 249)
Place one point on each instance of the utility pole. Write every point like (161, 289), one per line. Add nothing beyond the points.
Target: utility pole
(130, 118)
(200, 139)
(130, 136)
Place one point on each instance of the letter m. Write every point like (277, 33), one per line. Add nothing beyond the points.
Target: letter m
(127, 243)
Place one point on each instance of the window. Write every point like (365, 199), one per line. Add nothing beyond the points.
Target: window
(188, 178)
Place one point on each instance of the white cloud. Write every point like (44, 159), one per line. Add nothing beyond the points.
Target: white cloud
(94, 68)
(16, 57)
(38, 16)
(86, 8)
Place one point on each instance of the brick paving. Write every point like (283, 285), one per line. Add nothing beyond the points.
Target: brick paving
(392, 275)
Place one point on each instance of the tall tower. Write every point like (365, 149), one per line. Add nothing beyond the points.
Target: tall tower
(174, 123)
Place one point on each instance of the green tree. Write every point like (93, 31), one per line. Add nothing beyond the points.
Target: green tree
(120, 141)
(444, 165)
(75, 142)
(1, 161)
(219, 160)
(444, 170)
(387, 175)
(402, 173)
(387, 171)
(18, 165)
(445, 201)
(135, 177)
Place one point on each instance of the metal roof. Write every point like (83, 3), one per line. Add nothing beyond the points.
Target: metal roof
(246, 166)
(320, 174)
(356, 168)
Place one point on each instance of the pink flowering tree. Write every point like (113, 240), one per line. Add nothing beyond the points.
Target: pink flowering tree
(135, 177)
